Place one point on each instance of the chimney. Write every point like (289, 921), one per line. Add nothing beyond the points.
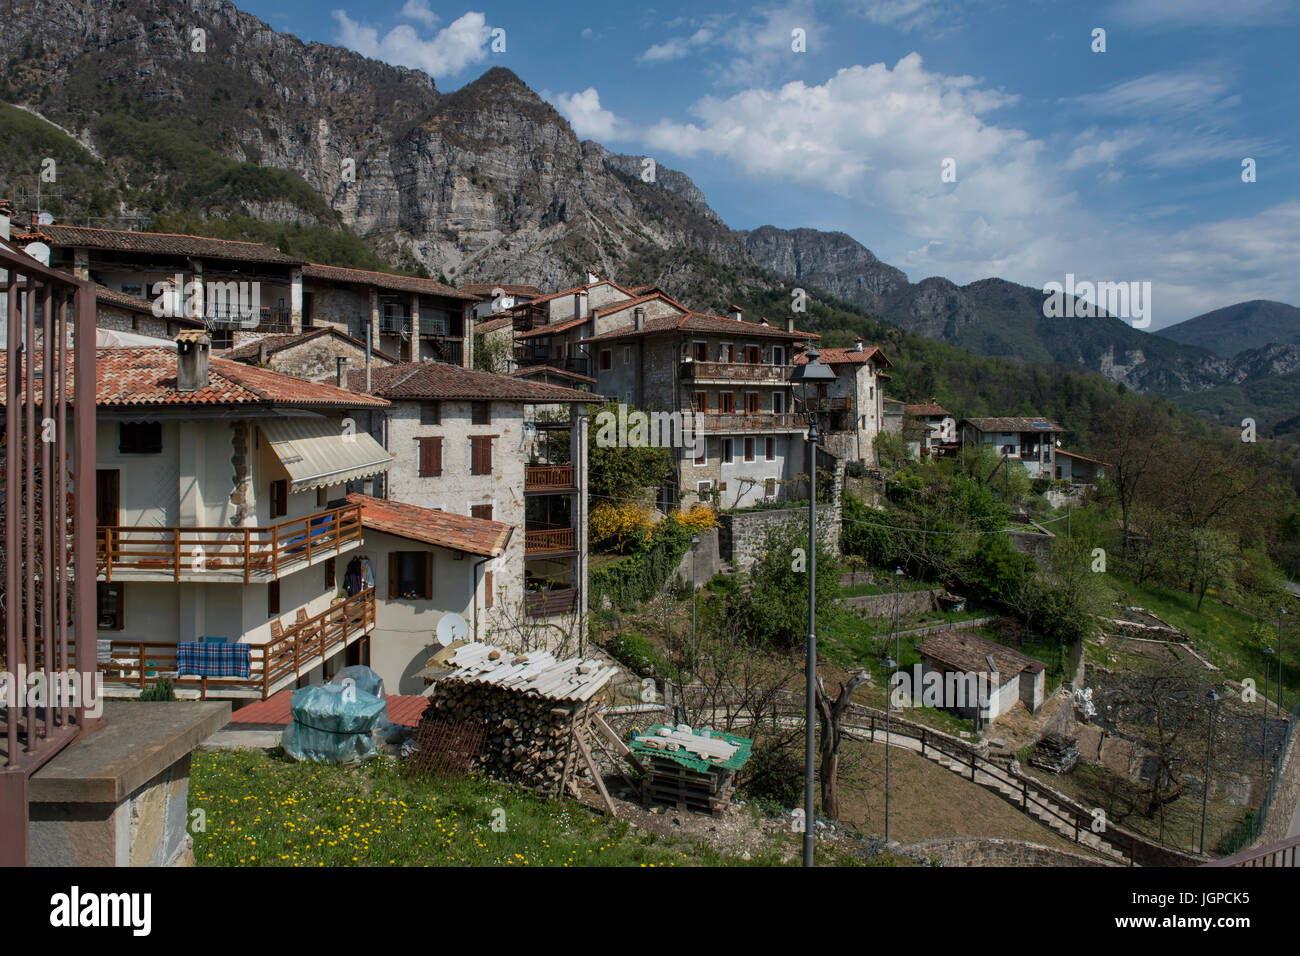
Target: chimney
(735, 313)
(579, 305)
(342, 362)
(857, 344)
(192, 349)
(6, 208)
(789, 323)
(638, 317)
(592, 278)
(262, 356)
(763, 321)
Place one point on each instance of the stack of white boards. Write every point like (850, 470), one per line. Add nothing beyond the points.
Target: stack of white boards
(536, 672)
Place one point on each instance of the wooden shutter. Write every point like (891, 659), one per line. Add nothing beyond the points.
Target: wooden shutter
(430, 457)
(487, 585)
(279, 498)
(428, 576)
(392, 575)
(480, 454)
(481, 511)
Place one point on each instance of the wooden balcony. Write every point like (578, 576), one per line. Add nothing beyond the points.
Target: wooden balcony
(728, 372)
(758, 422)
(823, 405)
(548, 479)
(274, 665)
(226, 554)
(550, 603)
(543, 541)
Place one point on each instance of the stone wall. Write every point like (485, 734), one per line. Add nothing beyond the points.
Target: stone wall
(1285, 798)
(993, 851)
(707, 559)
(741, 535)
(317, 359)
(908, 602)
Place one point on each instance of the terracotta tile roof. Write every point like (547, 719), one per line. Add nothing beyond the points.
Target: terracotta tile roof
(555, 328)
(987, 425)
(278, 343)
(415, 381)
(928, 408)
(532, 370)
(146, 375)
(122, 300)
(1075, 454)
(494, 322)
(403, 709)
(441, 528)
(383, 280)
(965, 652)
(485, 290)
(640, 300)
(587, 287)
(846, 356)
(160, 243)
(704, 323)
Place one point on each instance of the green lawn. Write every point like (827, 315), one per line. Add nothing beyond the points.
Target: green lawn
(265, 810)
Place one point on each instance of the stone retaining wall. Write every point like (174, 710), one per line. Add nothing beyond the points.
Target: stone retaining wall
(994, 851)
(741, 534)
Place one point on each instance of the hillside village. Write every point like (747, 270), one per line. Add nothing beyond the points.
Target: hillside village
(372, 470)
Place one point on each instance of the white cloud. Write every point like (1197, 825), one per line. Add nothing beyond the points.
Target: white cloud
(1190, 91)
(906, 15)
(419, 10)
(461, 43)
(743, 49)
(587, 117)
(677, 47)
(1197, 13)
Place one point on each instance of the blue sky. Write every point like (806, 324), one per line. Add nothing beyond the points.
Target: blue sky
(1123, 165)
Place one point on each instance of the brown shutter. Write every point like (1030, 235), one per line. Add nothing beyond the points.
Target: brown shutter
(392, 575)
(481, 511)
(430, 457)
(436, 456)
(487, 597)
(428, 576)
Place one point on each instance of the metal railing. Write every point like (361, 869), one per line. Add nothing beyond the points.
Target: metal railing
(301, 646)
(1286, 853)
(249, 552)
(46, 606)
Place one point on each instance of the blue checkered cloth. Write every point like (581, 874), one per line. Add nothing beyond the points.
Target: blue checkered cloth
(209, 659)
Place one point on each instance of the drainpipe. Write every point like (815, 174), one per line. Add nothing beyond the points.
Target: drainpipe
(474, 573)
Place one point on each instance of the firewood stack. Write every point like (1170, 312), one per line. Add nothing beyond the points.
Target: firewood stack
(1056, 753)
(533, 708)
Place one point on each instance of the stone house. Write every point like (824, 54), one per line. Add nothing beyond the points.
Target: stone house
(493, 297)
(1030, 441)
(989, 678)
(853, 403)
(940, 427)
(318, 354)
(464, 444)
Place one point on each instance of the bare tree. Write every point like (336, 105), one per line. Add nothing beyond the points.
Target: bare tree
(830, 713)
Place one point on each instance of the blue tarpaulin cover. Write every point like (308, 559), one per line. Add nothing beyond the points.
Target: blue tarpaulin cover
(333, 723)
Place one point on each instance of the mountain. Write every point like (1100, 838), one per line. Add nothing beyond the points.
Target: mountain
(485, 183)
(1235, 328)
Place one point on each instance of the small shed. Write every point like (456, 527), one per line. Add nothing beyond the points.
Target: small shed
(1003, 674)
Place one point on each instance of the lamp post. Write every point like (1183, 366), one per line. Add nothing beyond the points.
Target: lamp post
(695, 547)
(890, 664)
(814, 373)
(1263, 731)
(1281, 613)
(898, 612)
(1209, 748)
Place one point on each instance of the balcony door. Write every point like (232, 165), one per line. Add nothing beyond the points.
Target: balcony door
(108, 497)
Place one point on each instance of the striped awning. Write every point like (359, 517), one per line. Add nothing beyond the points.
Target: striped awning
(319, 452)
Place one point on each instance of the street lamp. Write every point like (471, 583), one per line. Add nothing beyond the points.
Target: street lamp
(1263, 733)
(898, 611)
(1281, 613)
(1213, 697)
(811, 373)
(695, 547)
(890, 664)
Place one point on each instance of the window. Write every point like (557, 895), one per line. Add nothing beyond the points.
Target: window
(700, 351)
(132, 288)
(273, 599)
(431, 413)
(139, 438)
(778, 355)
(727, 456)
(770, 449)
(606, 359)
(279, 498)
(699, 459)
(751, 403)
(487, 589)
(481, 413)
(480, 455)
(726, 352)
(727, 402)
(753, 354)
(330, 581)
(627, 355)
(700, 401)
(109, 606)
(702, 488)
(871, 392)
(778, 403)
(430, 457)
(410, 576)
(481, 511)
(769, 487)
(107, 482)
(749, 449)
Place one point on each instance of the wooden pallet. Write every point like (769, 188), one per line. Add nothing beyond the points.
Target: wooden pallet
(685, 798)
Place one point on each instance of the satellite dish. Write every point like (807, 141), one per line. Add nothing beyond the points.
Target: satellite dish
(45, 219)
(38, 251)
(451, 627)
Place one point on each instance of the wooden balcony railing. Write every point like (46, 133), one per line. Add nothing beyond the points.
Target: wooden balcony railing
(735, 422)
(550, 603)
(303, 645)
(249, 552)
(546, 477)
(823, 405)
(548, 540)
(737, 372)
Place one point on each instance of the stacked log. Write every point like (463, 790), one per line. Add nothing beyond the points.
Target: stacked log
(527, 738)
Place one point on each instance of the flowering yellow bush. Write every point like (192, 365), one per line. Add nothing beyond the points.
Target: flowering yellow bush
(612, 526)
(699, 519)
